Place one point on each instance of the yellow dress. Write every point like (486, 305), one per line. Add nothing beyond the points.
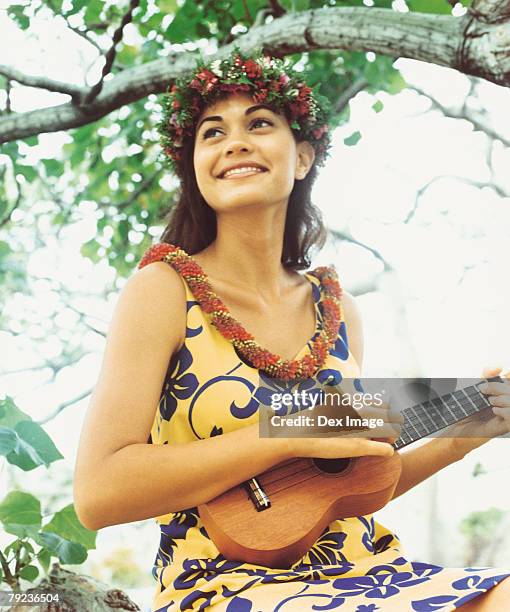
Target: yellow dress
(357, 565)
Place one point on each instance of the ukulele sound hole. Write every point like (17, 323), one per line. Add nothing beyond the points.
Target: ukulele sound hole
(332, 466)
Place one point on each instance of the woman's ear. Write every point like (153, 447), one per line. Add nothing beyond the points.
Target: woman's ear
(304, 160)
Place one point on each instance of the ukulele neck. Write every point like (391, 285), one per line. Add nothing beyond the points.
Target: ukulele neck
(426, 418)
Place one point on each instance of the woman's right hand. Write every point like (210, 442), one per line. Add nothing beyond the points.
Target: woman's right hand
(339, 447)
(376, 441)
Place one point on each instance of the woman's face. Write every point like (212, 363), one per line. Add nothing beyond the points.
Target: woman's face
(246, 154)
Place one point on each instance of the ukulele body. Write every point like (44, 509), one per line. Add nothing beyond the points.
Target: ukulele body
(305, 495)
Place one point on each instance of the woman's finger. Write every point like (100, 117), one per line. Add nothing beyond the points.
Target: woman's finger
(502, 401)
(490, 371)
(495, 388)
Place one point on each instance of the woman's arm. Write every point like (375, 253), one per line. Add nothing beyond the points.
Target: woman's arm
(421, 462)
(120, 478)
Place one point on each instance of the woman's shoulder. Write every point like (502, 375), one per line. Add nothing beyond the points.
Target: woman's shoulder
(156, 287)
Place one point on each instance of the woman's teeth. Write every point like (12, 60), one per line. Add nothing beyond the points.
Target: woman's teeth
(241, 171)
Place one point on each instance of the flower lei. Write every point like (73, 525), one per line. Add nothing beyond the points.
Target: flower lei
(233, 331)
(269, 79)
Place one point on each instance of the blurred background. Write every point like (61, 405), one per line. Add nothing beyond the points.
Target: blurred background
(416, 195)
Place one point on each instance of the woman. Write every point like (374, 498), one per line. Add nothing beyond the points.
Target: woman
(245, 136)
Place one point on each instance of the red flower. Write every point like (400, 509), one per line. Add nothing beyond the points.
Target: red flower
(260, 95)
(206, 75)
(253, 70)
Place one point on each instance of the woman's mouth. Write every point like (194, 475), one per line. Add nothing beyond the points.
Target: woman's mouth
(237, 173)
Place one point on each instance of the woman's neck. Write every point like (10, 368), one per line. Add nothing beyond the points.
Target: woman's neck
(249, 258)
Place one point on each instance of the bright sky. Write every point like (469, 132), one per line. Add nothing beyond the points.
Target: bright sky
(443, 311)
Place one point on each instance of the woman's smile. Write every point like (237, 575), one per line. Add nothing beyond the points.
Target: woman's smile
(238, 173)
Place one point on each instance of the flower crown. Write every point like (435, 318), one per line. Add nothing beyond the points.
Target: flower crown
(269, 79)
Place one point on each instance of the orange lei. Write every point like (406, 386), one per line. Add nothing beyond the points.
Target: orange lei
(233, 331)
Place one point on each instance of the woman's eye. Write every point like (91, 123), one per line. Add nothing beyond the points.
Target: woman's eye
(210, 132)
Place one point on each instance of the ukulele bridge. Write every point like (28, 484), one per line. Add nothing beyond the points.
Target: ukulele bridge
(257, 495)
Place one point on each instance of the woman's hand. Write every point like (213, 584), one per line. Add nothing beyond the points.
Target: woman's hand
(346, 445)
(480, 428)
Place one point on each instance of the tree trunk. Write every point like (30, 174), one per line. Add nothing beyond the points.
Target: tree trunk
(77, 593)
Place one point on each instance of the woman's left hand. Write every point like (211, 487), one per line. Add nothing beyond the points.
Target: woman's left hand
(480, 428)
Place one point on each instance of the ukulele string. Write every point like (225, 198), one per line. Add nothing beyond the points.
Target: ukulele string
(292, 485)
(286, 477)
(268, 481)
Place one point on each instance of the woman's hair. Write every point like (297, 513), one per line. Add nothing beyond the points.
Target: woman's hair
(192, 222)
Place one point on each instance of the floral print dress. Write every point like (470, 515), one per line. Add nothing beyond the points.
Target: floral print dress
(356, 565)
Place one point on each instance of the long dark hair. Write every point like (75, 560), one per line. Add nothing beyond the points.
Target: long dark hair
(192, 222)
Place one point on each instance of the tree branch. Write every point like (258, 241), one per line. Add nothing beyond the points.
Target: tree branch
(110, 55)
(441, 39)
(338, 235)
(138, 192)
(83, 33)
(17, 202)
(64, 405)
(41, 82)
(349, 93)
(478, 184)
(490, 11)
(462, 114)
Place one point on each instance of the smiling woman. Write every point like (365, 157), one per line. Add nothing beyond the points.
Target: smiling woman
(246, 136)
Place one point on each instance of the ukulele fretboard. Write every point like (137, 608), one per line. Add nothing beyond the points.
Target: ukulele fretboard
(428, 417)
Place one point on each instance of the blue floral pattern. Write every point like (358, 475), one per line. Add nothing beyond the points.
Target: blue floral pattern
(356, 565)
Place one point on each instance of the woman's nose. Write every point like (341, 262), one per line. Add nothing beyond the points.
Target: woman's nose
(237, 146)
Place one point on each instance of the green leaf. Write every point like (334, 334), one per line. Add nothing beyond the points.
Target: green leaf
(77, 6)
(65, 523)
(34, 437)
(479, 470)
(5, 250)
(30, 444)
(89, 249)
(20, 514)
(353, 139)
(82, 135)
(430, 6)
(93, 11)
(68, 552)
(8, 440)
(27, 171)
(299, 5)
(377, 106)
(53, 167)
(182, 29)
(17, 14)
(167, 6)
(395, 83)
(44, 558)
(11, 415)
(29, 572)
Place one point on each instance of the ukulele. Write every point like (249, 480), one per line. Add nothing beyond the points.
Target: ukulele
(274, 518)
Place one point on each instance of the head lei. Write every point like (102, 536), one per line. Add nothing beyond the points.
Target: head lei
(269, 80)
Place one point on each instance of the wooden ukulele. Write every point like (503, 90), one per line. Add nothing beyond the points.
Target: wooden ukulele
(274, 518)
